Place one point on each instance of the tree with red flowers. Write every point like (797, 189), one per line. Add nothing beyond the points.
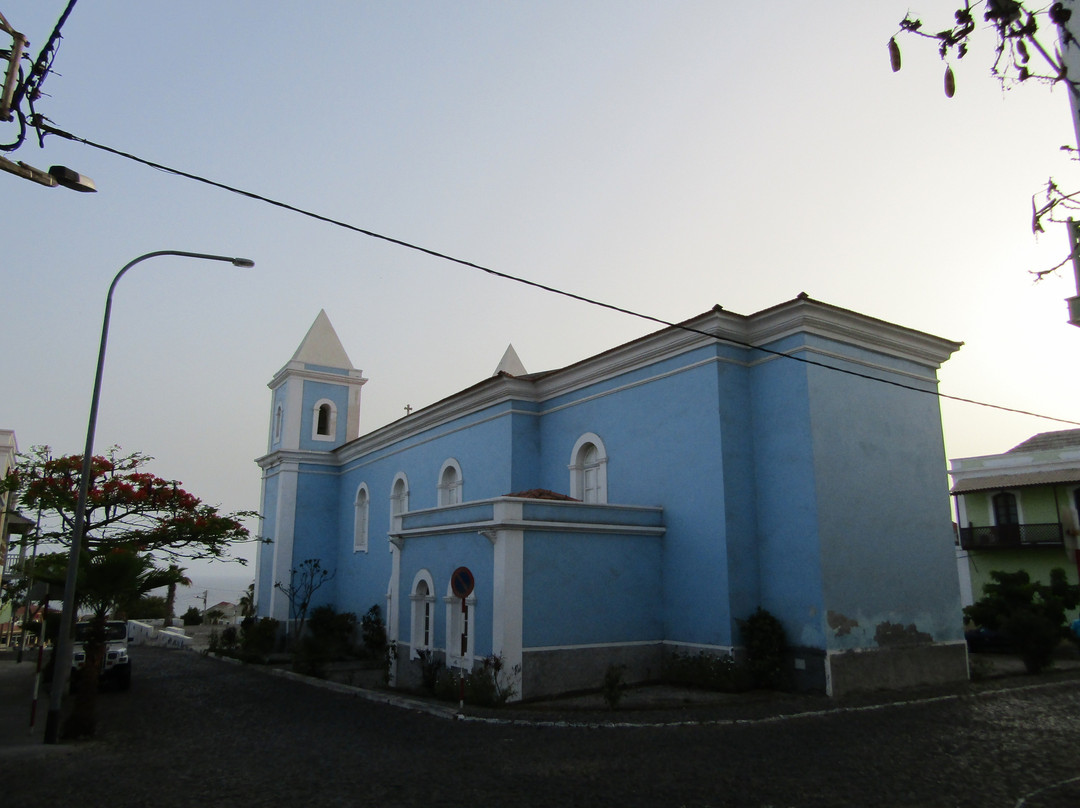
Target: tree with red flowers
(137, 526)
(125, 505)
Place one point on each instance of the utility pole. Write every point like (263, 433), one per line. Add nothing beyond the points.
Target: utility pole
(1070, 55)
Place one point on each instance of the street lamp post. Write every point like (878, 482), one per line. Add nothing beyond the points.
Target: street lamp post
(64, 646)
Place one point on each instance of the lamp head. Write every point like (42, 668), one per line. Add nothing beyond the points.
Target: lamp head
(247, 263)
(72, 179)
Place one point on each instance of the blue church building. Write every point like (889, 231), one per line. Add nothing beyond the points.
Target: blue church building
(636, 503)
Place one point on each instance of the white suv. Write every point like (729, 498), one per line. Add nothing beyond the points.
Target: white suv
(116, 665)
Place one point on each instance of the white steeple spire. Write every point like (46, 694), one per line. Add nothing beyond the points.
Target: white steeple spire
(321, 346)
(510, 364)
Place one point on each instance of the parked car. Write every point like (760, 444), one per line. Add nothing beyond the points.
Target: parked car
(116, 664)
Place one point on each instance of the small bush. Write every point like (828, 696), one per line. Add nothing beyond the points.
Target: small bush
(766, 647)
(430, 666)
(230, 639)
(332, 632)
(484, 687)
(329, 638)
(192, 617)
(614, 685)
(1035, 637)
(708, 672)
(373, 631)
(258, 638)
(1030, 614)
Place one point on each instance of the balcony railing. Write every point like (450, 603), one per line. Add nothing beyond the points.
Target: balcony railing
(1000, 537)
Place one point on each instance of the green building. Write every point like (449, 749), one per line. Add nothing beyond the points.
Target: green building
(1018, 511)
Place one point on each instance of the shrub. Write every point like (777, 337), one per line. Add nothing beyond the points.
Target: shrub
(766, 646)
(373, 631)
(192, 617)
(430, 666)
(257, 638)
(332, 631)
(1030, 614)
(708, 672)
(485, 686)
(230, 639)
(614, 685)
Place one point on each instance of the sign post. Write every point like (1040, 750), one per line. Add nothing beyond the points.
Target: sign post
(461, 584)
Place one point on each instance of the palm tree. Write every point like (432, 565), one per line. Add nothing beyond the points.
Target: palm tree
(170, 597)
(108, 582)
(247, 601)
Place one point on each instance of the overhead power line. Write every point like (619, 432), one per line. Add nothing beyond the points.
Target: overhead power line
(40, 124)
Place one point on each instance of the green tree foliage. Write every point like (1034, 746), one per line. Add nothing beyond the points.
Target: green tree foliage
(1029, 613)
(150, 607)
(373, 630)
(192, 617)
(247, 602)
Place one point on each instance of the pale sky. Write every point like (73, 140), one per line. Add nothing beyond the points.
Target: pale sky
(660, 156)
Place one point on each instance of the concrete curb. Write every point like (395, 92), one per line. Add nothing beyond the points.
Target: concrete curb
(452, 713)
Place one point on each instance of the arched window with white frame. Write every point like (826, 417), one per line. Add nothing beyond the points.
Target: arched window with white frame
(588, 469)
(324, 420)
(399, 496)
(360, 519)
(450, 483)
(422, 625)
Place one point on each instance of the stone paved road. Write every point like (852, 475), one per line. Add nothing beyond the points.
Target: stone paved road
(200, 732)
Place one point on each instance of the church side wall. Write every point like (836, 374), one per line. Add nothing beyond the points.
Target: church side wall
(589, 589)
(740, 485)
(889, 569)
(661, 431)
(480, 444)
(886, 535)
(785, 494)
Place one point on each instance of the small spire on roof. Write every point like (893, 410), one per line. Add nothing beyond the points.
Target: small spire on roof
(510, 364)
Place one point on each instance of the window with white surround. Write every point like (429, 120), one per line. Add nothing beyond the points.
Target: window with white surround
(460, 632)
(422, 634)
(279, 415)
(324, 420)
(450, 483)
(360, 520)
(399, 496)
(588, 469)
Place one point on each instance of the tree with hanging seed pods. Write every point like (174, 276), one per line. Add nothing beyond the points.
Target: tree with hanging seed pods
(1028, 48)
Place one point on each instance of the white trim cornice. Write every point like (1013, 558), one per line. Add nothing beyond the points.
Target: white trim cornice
(802, 315)
(299, 370)
(283, 456)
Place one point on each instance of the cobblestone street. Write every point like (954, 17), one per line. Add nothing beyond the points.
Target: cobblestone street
(195, 731)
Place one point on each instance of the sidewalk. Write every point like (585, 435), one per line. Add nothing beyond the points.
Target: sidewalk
(16, 701)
